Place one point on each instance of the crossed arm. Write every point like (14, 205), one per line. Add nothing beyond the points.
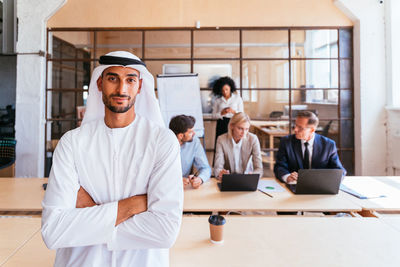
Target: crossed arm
(126, 207)
(71, 218)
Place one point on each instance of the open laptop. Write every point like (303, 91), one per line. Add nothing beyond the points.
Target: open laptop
(317, 181)
(239, 182)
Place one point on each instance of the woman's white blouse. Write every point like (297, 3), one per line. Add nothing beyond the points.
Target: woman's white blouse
(235, 102)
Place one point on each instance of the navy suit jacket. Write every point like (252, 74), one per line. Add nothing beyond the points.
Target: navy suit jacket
(290, 157)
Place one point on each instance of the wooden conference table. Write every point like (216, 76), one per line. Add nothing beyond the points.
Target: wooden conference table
(389, 186)
(14, 233)
(26, 194)
(280, 241)
(209, 198)
(262, 241)
(21, 194)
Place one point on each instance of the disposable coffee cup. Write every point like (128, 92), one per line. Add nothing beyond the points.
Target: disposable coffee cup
(217, 223)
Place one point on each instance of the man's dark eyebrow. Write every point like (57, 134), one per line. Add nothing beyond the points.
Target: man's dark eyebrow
(115, 74)
(112, 74)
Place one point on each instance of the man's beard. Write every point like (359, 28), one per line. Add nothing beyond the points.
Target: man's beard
(107, 103)
(188, 141)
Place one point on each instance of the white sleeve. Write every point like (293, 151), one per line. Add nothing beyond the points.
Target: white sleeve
(284, 177)
(158, 227)
(216, 112)
(64, 225)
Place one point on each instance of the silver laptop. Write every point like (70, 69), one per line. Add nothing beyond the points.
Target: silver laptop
(317, 181)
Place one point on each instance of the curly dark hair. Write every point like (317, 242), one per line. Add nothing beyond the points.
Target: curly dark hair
(217, 87)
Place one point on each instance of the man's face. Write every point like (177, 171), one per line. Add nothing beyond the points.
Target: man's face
(240, 130)
(120, 86)
(188, 136)
(302, 130)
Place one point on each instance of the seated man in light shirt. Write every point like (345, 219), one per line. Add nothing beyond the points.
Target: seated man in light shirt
(192, 152)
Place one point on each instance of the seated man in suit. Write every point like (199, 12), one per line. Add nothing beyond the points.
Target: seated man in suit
(192, 152)
(305, 149)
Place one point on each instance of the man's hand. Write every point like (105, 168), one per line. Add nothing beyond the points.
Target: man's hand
(130, 206)
(222, 172)
(84, 200)
(186, 181)
(195, 181)
(292, 177)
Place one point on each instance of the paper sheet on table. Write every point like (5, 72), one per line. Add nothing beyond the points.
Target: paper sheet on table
(270, 186)
(367, 188)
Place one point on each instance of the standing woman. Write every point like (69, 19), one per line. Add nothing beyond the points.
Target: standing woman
(228, 103)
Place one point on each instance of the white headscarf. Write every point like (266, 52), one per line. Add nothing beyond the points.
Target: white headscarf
(146, 104)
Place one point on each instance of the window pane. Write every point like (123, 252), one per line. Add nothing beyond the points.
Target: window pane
(347, 159)
(108, 41)
(207, 99)
(265, 104)
(314, 74)
(63, 104)
(65, 44)
(57, 130)
(346, 42)
(68, 77)
(346, 74)
(265, 44)
(346, 103)
(314, 43)
(209, 71)
(265, 74)
(216, 44)
(321, 97)
(159, 67)
(324, 110)
(347, 134)
(330, 129)
(167, 44)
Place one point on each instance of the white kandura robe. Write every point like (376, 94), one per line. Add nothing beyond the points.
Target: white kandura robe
(114, 164)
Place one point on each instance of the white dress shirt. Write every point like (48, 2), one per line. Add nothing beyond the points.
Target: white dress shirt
(303, 149)
(235, 102)
(112, 164)
(236, 155)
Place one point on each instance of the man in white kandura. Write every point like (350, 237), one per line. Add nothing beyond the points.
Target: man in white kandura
(114, 196)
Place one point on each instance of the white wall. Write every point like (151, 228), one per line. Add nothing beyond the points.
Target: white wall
(392, 23)
(370, 84)
(30, 90)
(393, 141)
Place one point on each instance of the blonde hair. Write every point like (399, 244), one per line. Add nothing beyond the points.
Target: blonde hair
(238, 118)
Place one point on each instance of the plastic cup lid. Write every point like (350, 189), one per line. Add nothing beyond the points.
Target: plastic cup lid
(216, 220)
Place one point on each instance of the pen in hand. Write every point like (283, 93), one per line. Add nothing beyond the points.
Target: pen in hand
(193, 175)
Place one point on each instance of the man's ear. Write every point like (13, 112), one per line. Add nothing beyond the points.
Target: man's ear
(179, 136)
(140, 85)
(100, 83)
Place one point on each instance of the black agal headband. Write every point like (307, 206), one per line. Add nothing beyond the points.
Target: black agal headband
(124, 61)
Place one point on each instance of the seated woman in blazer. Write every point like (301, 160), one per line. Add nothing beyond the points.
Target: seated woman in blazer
(238, 151)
